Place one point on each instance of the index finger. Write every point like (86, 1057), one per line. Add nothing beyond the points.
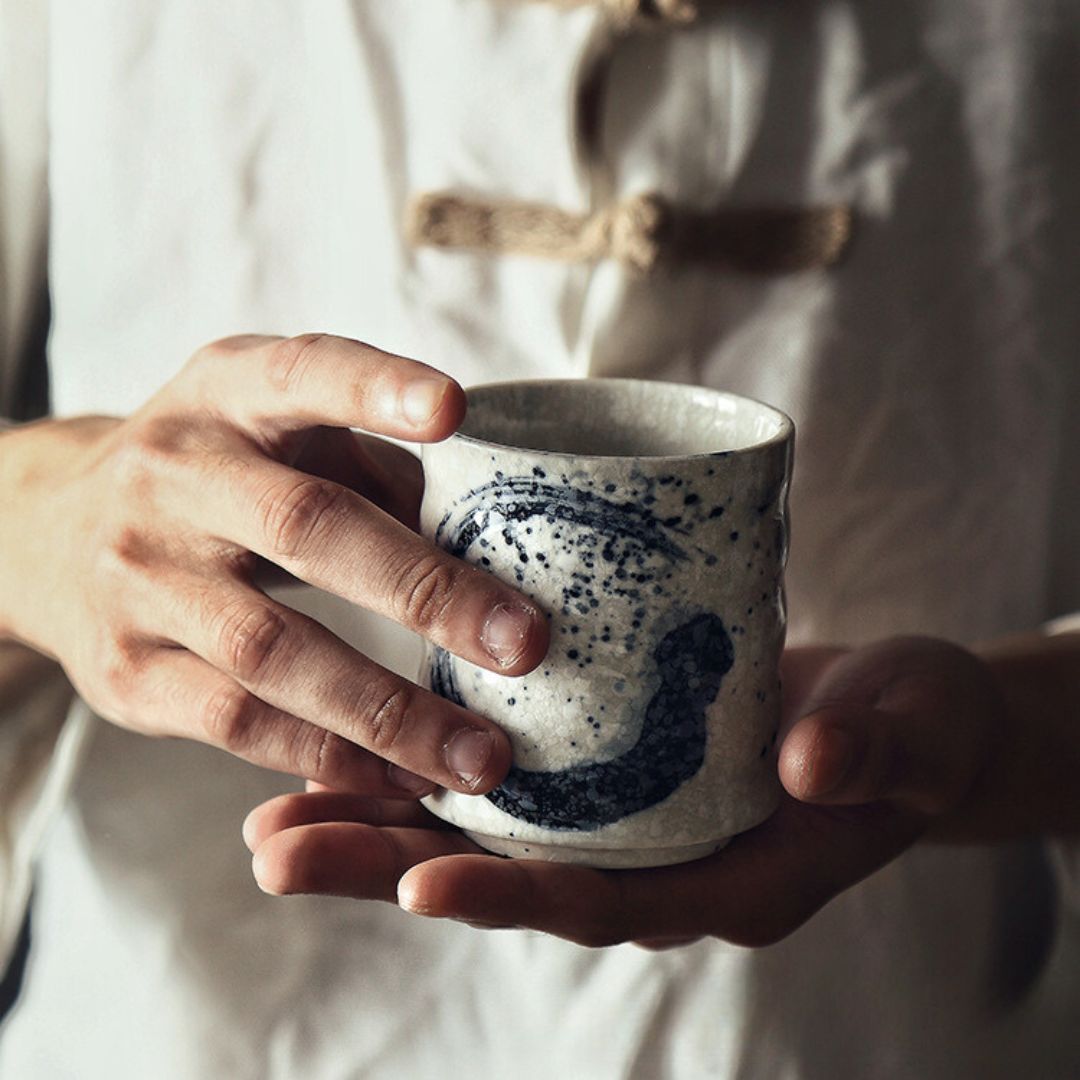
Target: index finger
(334, 539)
(271, 386)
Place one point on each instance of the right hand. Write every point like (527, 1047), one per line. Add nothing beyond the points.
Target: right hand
(128, 550)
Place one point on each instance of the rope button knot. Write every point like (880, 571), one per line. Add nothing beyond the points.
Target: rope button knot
(625, 13)
(639, 233)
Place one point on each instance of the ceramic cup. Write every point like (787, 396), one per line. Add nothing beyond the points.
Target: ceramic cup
(649, 520)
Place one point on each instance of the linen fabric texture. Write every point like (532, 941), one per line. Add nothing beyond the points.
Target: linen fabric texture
(246, 167)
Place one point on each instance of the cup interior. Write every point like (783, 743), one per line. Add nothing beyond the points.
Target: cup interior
(618, 418)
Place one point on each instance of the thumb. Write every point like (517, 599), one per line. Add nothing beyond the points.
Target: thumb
(922, 752)
(848, 755)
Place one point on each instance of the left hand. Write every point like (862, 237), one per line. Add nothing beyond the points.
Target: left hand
(881, 745)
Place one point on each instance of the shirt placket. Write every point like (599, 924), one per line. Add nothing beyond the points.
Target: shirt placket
(642, 230)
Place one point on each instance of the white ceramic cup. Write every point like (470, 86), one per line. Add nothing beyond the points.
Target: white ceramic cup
(649, 520)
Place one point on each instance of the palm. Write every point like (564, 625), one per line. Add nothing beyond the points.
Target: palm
(763, 885)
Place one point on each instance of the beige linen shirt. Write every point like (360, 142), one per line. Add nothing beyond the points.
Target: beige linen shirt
(247, 167)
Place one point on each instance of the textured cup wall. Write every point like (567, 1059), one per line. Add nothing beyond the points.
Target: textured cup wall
(648, 733)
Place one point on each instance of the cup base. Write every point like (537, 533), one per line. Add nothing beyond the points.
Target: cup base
(600, 858)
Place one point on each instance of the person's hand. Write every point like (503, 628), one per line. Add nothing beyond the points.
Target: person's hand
(128, 550)
(881, 745)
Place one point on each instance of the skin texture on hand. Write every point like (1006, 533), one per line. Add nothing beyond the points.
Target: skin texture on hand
(885, 745)
(130, 547)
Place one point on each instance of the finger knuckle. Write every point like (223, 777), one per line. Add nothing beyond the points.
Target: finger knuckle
(228, 717)
(316, 754)
(290, 358)
(427, 591)
(162, 438)
(150, 454)
(211, 354)
(131, 470)
(118, 667)
(384, 724)
(125, 550)
(292, 517)
(249, 637)
(203, 368)
(391, 853)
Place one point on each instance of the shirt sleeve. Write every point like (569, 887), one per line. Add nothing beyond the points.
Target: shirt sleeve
(1065, 853)
(40, 741)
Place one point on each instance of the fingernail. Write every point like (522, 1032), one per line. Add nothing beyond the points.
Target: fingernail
(421, 399)
(409, 781)
(468, 753)
(831, 764)
(506, 632)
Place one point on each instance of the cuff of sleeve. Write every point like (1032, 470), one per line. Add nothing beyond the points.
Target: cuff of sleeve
(39, 750)
(1064, 853)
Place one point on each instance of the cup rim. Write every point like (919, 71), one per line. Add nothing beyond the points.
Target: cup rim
(784, 433)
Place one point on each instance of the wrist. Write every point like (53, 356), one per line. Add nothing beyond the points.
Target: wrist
(38, 462)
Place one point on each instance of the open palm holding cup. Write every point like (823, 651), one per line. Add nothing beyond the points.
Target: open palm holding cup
(880, 746)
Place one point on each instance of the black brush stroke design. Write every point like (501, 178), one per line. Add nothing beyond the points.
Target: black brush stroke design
(517, 499)
(692, 661)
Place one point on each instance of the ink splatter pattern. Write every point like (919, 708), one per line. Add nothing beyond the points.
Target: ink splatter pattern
(692, 661)
(591, 551)
(647, 734)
